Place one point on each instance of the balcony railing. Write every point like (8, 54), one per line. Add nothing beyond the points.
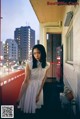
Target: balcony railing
(10, 87)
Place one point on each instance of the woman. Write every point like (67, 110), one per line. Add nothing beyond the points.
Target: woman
(31, 93)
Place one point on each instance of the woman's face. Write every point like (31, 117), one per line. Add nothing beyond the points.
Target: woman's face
(36, 54)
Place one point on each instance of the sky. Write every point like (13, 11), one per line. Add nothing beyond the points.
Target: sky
(17, 13)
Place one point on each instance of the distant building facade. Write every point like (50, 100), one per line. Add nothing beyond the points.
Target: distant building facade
(38, 41)
(25, 38)
(1, 51)
(10, 50)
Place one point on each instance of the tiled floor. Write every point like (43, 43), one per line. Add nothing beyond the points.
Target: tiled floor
(51, 109)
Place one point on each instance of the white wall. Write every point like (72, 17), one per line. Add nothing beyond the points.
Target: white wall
(71, 71)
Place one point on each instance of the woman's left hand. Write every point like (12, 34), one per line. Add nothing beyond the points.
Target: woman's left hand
(37, 98)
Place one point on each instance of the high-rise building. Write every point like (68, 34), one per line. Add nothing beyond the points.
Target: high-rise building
(1, 51)
(10, 50)
(25, 38)
(38, 41)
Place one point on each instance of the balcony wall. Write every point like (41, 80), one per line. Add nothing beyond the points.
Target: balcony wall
(10, 87)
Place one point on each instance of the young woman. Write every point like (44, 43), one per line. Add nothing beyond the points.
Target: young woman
(31, 93)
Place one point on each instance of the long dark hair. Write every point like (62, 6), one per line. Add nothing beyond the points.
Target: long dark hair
(43, 56)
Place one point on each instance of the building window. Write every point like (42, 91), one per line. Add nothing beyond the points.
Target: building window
(69, 45)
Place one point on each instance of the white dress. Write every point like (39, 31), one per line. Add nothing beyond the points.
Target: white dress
(28, 101)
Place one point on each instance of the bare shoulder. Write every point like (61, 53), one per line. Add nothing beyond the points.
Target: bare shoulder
(29, 64)
(48, 65)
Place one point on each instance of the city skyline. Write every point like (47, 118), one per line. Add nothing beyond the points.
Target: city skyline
(16, 14)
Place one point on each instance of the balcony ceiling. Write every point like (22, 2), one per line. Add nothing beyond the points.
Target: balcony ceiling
(48, 13)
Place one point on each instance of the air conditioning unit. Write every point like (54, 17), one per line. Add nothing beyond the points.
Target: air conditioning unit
(68, 18)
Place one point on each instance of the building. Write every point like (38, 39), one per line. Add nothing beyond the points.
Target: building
(10, 50)
(1, 52)
(38, 41)
(25, 38)
(1, 49)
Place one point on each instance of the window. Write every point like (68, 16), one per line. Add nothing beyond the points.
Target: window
(69, 45)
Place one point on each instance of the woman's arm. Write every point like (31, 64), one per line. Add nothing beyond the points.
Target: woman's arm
(25, 82)
(43, 81)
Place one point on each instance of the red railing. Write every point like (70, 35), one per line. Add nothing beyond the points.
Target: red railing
(10, 87)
